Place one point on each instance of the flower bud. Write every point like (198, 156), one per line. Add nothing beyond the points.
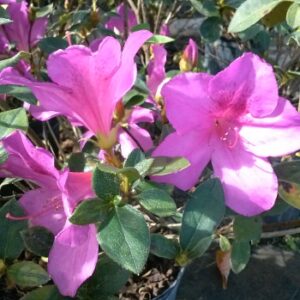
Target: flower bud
(189, 58)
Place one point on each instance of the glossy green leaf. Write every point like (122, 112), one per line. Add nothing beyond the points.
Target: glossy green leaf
(293, 15)
(160, 39)
(107, 280)
(240, 256)
(247, 229)
(90, 211)
(51, 44)
(167, 165)
(9, 62)
(11, 243)
(211, 29)
(158, 202)
(202, 214)
(4, 16)
(125, 238)
(250, 12)
(11, 120)
(27, 274)
(164, 247)
(106, 185)
(48, 292)
(38, 240)
(134, 158)
(20, 92)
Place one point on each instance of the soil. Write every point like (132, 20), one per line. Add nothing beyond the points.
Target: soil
(157, 277)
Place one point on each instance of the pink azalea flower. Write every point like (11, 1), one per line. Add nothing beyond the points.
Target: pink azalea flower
(164, 29)
(22, 32)
(86, 85)
(235, 119)
(189, 58)
(156, 69)
(74, 254)
(117, 23)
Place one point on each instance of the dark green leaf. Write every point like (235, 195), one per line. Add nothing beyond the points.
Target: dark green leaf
(168, 165)
(11, 244)
(164, 247)
(201, 216)
(76, 162)
(250, 12)
(106, 185)
(144, 166)
(131, 174)
(125, 238)
(38, 240)
(207, 8)
(240, 256)
(51, 44)
(107, 280)
(247, 229)
(11, 120)
(48, 292)
(90, 211)
(211, 29)
(4, 16)
(20, 92)
(134, 157)
(140, 27)
(158, 202)
(27, 274)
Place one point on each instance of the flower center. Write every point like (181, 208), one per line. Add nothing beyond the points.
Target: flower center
(227, 132)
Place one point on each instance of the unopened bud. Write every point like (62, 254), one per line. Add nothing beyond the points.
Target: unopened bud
(189, 58)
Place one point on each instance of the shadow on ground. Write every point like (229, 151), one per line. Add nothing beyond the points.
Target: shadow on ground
(272, 274)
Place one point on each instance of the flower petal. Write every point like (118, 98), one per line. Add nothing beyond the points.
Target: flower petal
(128, 144)
(275, 135)
(248, 83)
(27, 161)
(194, 146)
(73, 257)
(44, 208)
(249, 182)
(187, 101)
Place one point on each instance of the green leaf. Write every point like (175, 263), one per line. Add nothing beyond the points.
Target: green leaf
(207, 8)
(106, 185)
(210, 29)
(131, 174)
(20, 92)
(44, 11)
(295, 37)
(124, 237)
(250, 33)
(160, 39)
(288, 174)
(51, 44)
(76, 162)
(144, 166)
(11, 120)
(90, 211)
(293, 15)
(168, 165)
(164, 247)
(107, 280)
(38, 240)
(3, 157)
(158, 202)
(141, 26)
(4, 16)
(48, 292)
(247, 229)
(240, 256)
(13, 60)
(224, 243)
(134, 158)
(11, 243)
(250, 12)
(202, 214)
(27, 274)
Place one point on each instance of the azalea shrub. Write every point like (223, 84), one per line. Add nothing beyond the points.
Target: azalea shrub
(110, 111)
